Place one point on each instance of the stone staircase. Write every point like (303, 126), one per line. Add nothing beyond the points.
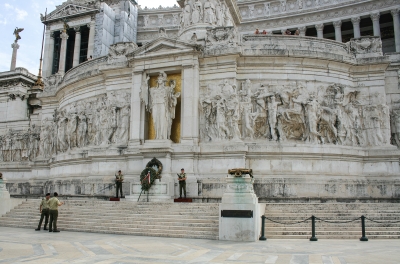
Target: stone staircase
(332, 212)
(183, 220)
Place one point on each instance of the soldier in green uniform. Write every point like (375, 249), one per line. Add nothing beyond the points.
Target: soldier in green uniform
(119, 178)
(54, 203)
(182, 183)
(45, 212)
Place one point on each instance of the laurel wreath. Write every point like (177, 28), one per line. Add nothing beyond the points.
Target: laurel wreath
(153, 174)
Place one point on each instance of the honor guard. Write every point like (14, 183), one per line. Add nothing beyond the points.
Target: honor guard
(182, 183)
(44, 212)
(119, 178)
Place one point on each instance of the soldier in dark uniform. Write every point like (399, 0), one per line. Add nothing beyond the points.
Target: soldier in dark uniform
(45, 212)
(119, 178)
(182, 183)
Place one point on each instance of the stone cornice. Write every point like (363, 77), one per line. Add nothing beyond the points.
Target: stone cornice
(319, 16)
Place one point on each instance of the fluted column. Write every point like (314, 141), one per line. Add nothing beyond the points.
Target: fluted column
(396, 26)
(302, 31)
(63, 52)
(320, 30)
(91, 27)
(46, 52)
(375, 23)
(356, 26)
(77, 47)
(338, 30)
(50, 56)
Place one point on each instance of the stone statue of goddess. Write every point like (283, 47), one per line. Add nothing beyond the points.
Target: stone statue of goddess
(161, 104)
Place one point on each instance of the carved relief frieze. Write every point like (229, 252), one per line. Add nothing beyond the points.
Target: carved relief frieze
(291, 111)
(19, 146)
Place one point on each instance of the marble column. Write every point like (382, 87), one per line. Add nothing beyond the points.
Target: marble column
(396, 26)
(338, 30)
(320, 30)
(136, 130)
(46, 60)
(356, 26)
(302, 31)
(91, 27)
(63, 52)
(375, 22)
(190, 99)
(77, 47)
(50, 56)
(15, 48)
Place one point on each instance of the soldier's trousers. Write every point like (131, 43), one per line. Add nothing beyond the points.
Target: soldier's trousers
(182, 186)
(45, 214)
(119, 187)
(53, 220)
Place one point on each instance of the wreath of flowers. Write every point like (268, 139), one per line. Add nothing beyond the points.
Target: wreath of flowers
(144, 178)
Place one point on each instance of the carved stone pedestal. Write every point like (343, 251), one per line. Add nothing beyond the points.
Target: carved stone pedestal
(160, 191)
(239, 216)
(5, 201)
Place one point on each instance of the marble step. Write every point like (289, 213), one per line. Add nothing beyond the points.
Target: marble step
(321, 237)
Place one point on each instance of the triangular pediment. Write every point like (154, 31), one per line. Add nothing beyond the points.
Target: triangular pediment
(68, 10)
(164, 45)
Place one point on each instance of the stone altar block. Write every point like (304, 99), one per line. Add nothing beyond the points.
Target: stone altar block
(5, 200)
(239, 215)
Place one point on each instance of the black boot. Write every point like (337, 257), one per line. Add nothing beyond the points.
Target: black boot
(45, 228)
(37, 229)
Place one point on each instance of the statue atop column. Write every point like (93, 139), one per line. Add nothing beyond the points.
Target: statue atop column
(161, 101)
(15, 47)
(16, 34)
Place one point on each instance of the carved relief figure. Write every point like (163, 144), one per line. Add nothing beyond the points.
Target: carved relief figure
(209, 12)
(197, 15)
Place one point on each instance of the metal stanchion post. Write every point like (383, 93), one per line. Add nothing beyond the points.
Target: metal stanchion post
(363, 238)
(263, 228)
(313, 238)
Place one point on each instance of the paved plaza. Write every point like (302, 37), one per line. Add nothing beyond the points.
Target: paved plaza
(27, 246)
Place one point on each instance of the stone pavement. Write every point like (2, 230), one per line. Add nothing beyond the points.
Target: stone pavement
(19, 245)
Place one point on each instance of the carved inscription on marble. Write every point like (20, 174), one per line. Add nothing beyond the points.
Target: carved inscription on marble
(332, 114)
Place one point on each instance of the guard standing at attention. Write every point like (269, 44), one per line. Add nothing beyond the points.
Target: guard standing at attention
(54, 203)
(182, 183)
(119, 178)
(44, 212)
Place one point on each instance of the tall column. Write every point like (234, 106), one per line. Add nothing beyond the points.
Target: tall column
(46, 52)
(91, 27)
(320, 30)
(63, 52)
(356, 26)
(375, 22)
(77, 47)
(50, 56)
(190, 98)
(338, 30)
(396, 26)
(302, 31)
(15, 48)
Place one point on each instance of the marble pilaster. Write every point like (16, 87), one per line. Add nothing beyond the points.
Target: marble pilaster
(77, 47)
(396, 26)
(135, 130)
(320, 30)
(15, 48)
(356, 26)
(190, 99)
(91, 27)
(338, 30)
(46, 59)
(63, 52)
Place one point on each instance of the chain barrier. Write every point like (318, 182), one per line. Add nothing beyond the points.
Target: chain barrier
(379, 222)
(302, 221)
(337, 222)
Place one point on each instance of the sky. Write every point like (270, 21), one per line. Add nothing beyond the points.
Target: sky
(26, 14)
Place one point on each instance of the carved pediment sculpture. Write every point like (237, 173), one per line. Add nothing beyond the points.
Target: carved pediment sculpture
(70, 8)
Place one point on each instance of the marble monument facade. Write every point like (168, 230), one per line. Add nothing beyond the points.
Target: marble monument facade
(193, 86)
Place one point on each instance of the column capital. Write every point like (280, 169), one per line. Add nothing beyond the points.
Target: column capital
(375, 16)
(64, 35)
(302, 29)
(337, 23)
(77, 29)
(395, 12)
(52, 34)
(15, 45)
(355, 20)
(319, 26)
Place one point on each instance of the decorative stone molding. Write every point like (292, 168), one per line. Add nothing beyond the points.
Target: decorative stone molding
(72, 8)
(366, 47)
(117, 52)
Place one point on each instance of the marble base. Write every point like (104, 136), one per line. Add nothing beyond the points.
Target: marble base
(5, 200)
(239, 195)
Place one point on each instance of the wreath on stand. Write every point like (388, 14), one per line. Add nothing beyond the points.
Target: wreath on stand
(150, 174)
